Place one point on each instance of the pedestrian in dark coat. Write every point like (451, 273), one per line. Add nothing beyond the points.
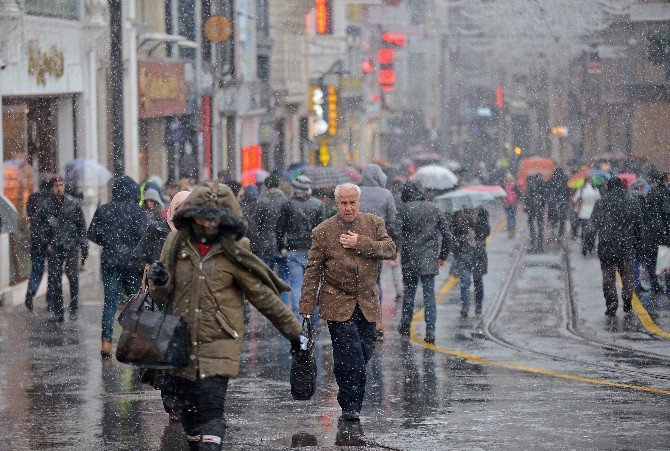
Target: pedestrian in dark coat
(118, 226)
(37, 250)
(618, 221)
(298, 217)
(424, 240)
(264, 239)
(647, 251)
(657, 216)
(558, 201)
(61, 230)
(534, 202)
(206, 272)
(469, 231)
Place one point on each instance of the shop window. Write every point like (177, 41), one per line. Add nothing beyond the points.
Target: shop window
(62, 9)
(29, 141)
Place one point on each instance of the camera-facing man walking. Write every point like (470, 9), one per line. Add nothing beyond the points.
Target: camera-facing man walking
(342, 267)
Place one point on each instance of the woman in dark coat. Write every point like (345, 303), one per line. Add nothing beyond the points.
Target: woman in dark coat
(421, 227)
(469, 229)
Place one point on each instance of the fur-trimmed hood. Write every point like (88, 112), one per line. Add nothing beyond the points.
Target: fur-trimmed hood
(212, 200)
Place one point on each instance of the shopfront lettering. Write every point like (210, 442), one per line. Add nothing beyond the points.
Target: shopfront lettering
(43, 63)
(161, 89)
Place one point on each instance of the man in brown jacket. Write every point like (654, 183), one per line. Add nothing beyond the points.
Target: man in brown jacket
(342, 267)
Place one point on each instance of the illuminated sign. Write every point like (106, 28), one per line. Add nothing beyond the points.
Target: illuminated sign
(323, 16)
(332, 110)
(251, 162)
(324, 152)
(318, 124)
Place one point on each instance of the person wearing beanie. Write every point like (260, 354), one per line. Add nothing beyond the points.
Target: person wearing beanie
(61, 230)
(297, 218)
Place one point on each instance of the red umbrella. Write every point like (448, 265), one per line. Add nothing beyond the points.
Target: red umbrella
(627, 178)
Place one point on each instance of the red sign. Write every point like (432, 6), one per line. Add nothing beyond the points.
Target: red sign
(500, 99)
(397, 39)
(251, 163)
(386, 56)
(323, 16)
(161, 88)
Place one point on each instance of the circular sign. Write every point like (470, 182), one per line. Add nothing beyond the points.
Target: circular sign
(217, 29)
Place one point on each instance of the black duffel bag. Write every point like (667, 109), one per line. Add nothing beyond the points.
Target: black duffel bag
(303, 365)
(151, 337)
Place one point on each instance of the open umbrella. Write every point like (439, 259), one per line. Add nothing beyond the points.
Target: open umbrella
(86, 172)
(627, 178)
(326, 177)
(578, 179)
(496, 191)
(462, 199)
(600, 177)
(435, 177)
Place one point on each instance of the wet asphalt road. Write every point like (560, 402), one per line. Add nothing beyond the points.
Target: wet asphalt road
(541, 368)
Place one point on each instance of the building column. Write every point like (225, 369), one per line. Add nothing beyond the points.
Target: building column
(130, 99)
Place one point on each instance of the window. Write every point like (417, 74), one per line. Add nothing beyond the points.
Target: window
(63, 9)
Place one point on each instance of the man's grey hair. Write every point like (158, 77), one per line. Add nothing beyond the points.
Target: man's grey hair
(338, 188)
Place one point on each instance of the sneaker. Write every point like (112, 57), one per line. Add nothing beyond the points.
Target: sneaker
(430, 338)
(349, 415)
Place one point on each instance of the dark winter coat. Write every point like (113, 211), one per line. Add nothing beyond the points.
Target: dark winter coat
(658, 215)
(468, 240)
(535, 197)
(376, 199)
(119, 225)
(61, 225)
(297, 219)
(557, 195)
(424, 233)
(208, 290)
(35, 203)
(148, 250)
(617, 218)
(264, 240)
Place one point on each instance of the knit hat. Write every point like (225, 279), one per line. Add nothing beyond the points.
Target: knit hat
(152, 194)
(301, 183)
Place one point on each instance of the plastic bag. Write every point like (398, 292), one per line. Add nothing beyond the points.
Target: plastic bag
(663, 262)
(303, 365)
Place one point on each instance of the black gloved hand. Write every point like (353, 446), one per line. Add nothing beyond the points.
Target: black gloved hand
(295, 345)
(157, 274)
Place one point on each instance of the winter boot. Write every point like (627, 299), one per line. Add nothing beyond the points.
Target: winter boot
(212, 435)
(29, 300)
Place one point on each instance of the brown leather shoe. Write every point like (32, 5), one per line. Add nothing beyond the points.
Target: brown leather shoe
(106, 349)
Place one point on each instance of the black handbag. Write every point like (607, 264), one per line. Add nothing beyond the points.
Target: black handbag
(303, 365)
(151, 337)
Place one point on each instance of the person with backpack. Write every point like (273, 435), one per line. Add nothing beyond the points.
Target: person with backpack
(512, 194)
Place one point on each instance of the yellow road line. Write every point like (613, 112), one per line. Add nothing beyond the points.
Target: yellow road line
(644, 316)
(646, 320)
(450, 284)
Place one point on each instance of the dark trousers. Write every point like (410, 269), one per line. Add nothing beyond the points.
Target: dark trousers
(609, 268)
(58, 261)
(536, 219)
(353, 344)
(411, 282)
(201, 404)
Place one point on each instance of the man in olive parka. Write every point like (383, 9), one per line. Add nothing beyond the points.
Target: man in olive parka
(206, 272)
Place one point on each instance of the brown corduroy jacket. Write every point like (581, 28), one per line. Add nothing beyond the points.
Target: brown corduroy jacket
(342, 278)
